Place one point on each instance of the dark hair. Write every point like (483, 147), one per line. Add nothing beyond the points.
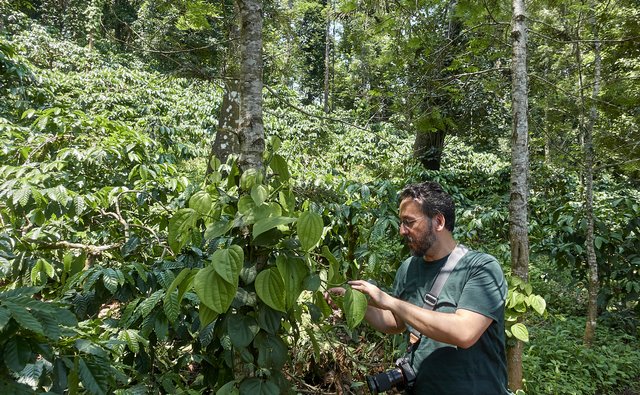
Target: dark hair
(433, 200)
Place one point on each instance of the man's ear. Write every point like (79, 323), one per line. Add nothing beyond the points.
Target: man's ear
(439, 221)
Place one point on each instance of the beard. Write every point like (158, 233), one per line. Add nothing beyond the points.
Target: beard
(423, 243)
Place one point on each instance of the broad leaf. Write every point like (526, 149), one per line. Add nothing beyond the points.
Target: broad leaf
(180, 227)
(213, 291)
(242, 329)
(355, 307)
(270, 289)
(538, 303)
(520, 332)
(218, 228)
(206, 315)
(266, 224)
(272, 351)
(293, 272)
(201, 202)
(259, 194)
(17, 353)
(91, 378)
(256, 386)
(228, 263)
(309, 228)
(229, 389)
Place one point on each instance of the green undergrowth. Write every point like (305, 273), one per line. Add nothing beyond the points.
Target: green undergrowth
(556, 361)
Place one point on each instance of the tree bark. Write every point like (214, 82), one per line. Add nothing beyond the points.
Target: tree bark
(327, 58)
(518, 233)
(251, 133)
(593, 282)
(227, 142)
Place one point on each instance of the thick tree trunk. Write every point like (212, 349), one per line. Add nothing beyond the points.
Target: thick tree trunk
(428, 147)
(226, 142)
(593, 283)
(518, 234)
(251, 133)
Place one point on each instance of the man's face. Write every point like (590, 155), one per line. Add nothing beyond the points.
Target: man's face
(416, 228)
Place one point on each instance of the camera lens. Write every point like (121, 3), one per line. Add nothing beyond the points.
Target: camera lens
(385, 381)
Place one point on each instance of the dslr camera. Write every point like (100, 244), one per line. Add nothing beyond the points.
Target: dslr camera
(402, 377)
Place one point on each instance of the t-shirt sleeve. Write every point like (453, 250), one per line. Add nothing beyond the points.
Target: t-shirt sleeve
(485, 291)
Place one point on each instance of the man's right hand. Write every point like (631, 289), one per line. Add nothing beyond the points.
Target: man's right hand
(337, 291)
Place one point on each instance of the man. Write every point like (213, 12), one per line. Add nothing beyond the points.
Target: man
(459, 347)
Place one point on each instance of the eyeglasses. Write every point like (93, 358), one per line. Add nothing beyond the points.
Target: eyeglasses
(408, 223)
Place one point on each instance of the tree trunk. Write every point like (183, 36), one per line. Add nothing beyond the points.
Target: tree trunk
(226, 142)
(327, 57)
(518, 234)
(593, 283)
(428, 147)
(251, 133)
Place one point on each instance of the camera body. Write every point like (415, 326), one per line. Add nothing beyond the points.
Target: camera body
(402, 377)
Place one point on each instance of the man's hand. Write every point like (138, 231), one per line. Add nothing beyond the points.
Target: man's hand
(337, 291)
(377, 298)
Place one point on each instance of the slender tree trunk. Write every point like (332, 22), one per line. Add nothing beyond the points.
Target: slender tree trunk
(593, 283)
(251, 133)
(327, 58)
(518, 234)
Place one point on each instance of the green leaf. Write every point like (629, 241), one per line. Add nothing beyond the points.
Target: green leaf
(5, 316)
(17, 353)
(538, 303)
(21, 196)
(520, 332)
(309, 228)
(148, 304)
(242, 329)
(279, 166)
(272, 352)
(206, 315)
(269, 319)
(270, 289)
(229, 389)
(266, 224)
(24, 318)
(201, 202)
(334, 277)
(259, 194)
(91, 378)
(213, 291)
(355, 307)
(218, 228)
(171, 306)
(130, 337)
(228, 263)
(598, 242)
(180, 227)
(293, 272)
(249, 178)
(41, 270)
(256, 386)
(112, 279)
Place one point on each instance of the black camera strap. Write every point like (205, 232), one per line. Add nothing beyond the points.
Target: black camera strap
(431, 298)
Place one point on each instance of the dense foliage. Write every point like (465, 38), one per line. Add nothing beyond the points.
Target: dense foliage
(112, 235)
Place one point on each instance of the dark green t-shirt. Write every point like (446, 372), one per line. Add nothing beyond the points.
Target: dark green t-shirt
(477, 284)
